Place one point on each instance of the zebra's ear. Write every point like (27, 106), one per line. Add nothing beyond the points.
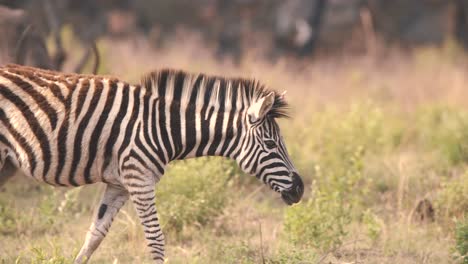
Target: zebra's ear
(283, 95)
(260, 108)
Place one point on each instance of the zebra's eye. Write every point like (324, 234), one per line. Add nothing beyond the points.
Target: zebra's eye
(270, 144)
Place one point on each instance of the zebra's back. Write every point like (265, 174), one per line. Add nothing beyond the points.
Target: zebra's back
(63, 128)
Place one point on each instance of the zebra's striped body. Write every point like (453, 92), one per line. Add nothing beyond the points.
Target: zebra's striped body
(58, 129)
(72, 130)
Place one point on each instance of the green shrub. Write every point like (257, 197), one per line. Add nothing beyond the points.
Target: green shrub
(294, 255)
(461, 239)
(193, 192)
(452, 199)
(321, 221)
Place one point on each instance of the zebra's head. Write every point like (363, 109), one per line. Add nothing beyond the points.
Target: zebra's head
(263, 151)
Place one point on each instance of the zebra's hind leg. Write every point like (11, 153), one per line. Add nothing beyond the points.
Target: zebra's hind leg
(7, 171)
(113, 199)
(142, 194)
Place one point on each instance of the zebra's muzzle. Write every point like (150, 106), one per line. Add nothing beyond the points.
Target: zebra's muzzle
(293, 194)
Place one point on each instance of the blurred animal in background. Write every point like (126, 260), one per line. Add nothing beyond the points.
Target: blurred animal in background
(21, 43)
(300, 28)
(297, 26)
(423, 212)
(25, 32)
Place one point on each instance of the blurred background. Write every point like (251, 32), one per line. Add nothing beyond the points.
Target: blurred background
(231, 29)
(379, 130)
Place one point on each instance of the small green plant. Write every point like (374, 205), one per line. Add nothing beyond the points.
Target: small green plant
(461, 239)
(40, 256)
(371, 221)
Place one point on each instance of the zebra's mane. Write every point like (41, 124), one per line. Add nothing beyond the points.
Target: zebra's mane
(216, 88)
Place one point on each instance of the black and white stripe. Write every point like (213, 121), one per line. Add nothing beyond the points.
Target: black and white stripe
(72, 130)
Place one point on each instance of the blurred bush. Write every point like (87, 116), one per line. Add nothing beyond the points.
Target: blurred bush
(444, 129)
(193, 192)
(452, 198)
(331, 135)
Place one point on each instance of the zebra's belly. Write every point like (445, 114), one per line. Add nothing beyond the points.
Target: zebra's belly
(70, 172)
(63, 157)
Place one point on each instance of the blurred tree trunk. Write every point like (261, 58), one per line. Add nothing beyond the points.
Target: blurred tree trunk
(461, 22)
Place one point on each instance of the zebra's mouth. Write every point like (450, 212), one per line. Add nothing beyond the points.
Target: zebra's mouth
(287, 198)
(294, 194)
(290, 199)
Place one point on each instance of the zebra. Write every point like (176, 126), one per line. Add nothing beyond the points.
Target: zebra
(72, 130)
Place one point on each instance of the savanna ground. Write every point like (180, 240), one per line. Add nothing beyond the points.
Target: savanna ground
(372, 137)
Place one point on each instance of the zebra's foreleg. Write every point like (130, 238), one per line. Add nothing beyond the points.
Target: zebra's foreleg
(113, 199)
(142, 195)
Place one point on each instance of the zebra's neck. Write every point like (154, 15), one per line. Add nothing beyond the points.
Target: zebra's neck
(196, 115)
